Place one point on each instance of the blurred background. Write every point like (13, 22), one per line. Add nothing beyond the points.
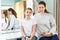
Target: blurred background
(21, 5)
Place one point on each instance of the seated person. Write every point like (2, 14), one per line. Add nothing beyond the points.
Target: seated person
(28, 26)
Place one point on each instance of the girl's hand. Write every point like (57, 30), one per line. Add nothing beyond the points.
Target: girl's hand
(5, 29)
(28, 38)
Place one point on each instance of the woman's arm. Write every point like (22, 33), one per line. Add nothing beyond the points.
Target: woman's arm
(11, 22)
(52, 25)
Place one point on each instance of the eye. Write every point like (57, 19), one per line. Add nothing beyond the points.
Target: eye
(27, 11)
(30, 12)
(39, 7)
(42, 7)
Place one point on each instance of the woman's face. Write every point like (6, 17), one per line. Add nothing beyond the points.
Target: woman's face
(28, 12)
(41, 8)
(3, 16)
(9, 12)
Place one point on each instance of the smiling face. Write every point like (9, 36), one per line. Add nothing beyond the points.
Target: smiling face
(28, 12)
(9, 13)
(41, 8)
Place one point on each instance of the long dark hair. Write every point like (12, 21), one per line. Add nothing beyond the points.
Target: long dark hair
(5, 13)
(42, 2)
(13, 12)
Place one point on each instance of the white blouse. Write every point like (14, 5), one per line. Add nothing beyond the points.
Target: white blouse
(4, 23)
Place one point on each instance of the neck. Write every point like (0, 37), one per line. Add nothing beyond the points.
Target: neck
(42, 12)
(27, 17)
(8, 16)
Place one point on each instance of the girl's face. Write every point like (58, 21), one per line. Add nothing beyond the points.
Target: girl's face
(3, 16)
(41, 8)
(28, 12)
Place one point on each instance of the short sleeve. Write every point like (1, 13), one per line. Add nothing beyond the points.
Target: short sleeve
(34, 21)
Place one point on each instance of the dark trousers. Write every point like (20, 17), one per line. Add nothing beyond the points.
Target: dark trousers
(18, 38)
(54, 37)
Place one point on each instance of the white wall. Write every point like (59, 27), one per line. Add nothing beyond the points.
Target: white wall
(29, 4)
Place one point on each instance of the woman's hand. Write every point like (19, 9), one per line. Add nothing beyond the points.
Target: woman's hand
(47, 34)
(5, 29)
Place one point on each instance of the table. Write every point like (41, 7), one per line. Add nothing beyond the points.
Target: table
(10, 34)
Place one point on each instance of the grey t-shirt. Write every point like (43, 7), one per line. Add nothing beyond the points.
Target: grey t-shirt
(45, 23)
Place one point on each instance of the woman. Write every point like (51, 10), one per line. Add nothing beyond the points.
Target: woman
(12, 16)
(46, 25)
(28, 26)
(4, 20)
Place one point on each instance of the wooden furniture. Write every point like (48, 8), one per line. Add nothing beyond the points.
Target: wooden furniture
(20, 8)
(58, 17)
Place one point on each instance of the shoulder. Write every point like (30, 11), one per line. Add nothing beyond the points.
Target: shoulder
(21, 22)
(49, 14)
(13, 17)
(36, 14)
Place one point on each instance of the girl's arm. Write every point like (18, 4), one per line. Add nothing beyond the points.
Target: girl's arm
(21, 28)
(34, 26)
(33, 30)
(22, 31)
